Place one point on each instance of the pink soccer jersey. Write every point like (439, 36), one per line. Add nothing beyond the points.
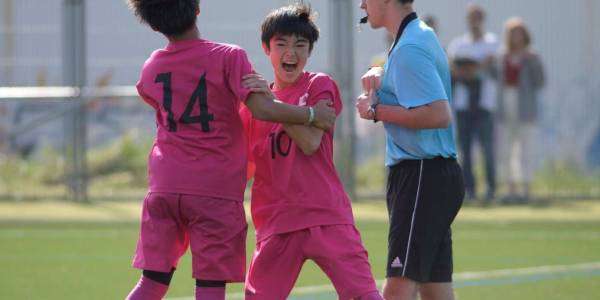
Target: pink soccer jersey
(291, 190)
(195, 87)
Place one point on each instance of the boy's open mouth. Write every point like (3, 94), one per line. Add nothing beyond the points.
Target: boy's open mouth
(289, 67)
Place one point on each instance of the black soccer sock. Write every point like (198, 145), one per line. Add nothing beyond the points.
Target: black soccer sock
(209, 283)
(160, 277)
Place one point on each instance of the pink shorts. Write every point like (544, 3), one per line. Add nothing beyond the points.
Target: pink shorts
(336, 249)
(215, 229)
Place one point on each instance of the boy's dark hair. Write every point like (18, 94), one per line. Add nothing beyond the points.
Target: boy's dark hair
(169, 17)
(296, 19)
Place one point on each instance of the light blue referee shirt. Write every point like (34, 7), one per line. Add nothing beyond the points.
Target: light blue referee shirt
(416, 74)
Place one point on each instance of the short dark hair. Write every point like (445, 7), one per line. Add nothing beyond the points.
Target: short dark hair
(296, 19)
(406, 1)
(169, 17)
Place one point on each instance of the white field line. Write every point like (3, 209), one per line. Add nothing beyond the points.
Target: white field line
(527, 271)
(464, 276)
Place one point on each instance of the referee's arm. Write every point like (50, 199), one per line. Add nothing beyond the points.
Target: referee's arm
(429, 116)
(418, 87)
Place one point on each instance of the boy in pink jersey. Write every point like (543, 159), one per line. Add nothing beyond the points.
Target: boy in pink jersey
(299, 207)
(197, 165)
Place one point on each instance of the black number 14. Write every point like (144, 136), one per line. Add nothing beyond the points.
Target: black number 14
(200, 95)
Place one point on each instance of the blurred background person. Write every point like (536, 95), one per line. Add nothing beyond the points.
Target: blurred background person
(473, 60)
(432, 22)
(593, 151)
(521, 78)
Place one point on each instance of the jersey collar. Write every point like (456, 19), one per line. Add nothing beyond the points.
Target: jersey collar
(411, 17)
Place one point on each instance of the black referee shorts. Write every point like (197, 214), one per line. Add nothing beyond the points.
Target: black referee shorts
(423, 198)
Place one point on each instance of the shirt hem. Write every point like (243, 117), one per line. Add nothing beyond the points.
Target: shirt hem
(239, 198)
(261, 237)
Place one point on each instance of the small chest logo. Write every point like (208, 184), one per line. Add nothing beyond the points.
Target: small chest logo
(302, 101)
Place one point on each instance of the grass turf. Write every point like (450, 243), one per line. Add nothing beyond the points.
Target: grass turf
(84, 252)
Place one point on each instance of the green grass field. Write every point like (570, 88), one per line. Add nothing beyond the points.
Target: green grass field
(66, 251)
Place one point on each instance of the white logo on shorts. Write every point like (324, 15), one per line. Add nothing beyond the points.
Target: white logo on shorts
(396, 263)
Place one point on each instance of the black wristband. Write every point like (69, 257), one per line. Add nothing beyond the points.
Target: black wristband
(373, 109)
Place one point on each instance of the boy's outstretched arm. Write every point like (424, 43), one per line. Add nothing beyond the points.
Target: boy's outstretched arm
(263, 107)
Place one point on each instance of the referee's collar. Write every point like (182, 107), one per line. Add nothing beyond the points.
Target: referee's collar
(411, 17)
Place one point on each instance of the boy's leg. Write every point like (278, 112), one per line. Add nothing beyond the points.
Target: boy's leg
(163, 236)
(163, 240)
(339, 252)
(275, 266)
(152, 285)
(210, 290)
(217, 229)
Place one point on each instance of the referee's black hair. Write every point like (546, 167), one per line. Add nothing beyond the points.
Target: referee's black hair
(169, 17)
(295, 19)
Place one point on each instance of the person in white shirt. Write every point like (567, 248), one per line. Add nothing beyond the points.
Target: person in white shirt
(473, 60)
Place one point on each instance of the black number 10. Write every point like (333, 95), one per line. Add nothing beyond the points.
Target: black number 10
(200, 95)
(276, 144)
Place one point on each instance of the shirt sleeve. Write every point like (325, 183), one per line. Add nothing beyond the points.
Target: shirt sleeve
(237, 66)
(324, 88)
(415, 78)
(146, 98)
(248, 123)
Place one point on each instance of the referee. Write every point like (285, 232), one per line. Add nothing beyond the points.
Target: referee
(425, 190)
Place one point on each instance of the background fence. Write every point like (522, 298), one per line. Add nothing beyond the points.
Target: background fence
(40, 139)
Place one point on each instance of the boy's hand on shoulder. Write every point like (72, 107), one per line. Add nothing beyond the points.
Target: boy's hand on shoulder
(257, 84)
(324, 115)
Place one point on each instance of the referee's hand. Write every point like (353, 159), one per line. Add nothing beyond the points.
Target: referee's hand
(372, 79)
(363, 104)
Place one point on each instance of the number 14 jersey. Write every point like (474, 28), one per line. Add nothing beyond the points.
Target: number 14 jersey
(195, 88)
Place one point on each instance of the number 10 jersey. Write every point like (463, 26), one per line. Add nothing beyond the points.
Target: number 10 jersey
(291, 190)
